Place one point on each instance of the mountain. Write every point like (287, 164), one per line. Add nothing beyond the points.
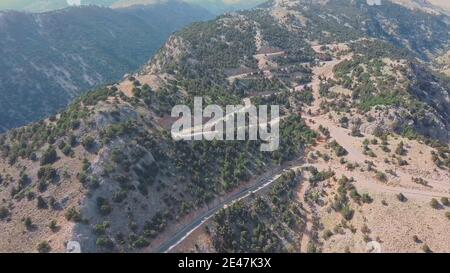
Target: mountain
(222, 6)
(49, 5)
(214, 6)
(31, 5)
(50, 58)
(433, 6)
(364, 152)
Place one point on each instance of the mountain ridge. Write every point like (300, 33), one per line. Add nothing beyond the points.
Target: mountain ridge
(214, 6)
(52, 57)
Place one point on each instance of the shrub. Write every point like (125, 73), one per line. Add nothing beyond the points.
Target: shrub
(355, 196)
(103, 206)
(447, 214)
(434, 203)
(380, 176)
(52, 202)
(86, 165)
(42, 186)
(402, 162)
(371, 153)
(327, 234)
(24, 180)
(311, 248)
(67, 150)
(141, 242)
(32, 156)
(420, 181)
(338, 149)
(72, 140)
(4, 212)
(43, 247)
(61, 145)
(366, 238)
(385, 149)
(30, 196)
(324, 131)
(400, 150)
(73, 215)
(356, 132)
(28, 222)
(41, 203)
(366, 198)
(378, 131)
(53, 225)
(444, 201)
(88, 142)
(82, 177)
(344, 122)
(347, 213)
(100, 229)
(47, 173)
(49, 156)
(104, 242)
(365, 229)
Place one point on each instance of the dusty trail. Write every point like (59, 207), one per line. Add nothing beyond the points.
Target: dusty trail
(307, 234)
(364, 180)
(326, 71)
(353, 146)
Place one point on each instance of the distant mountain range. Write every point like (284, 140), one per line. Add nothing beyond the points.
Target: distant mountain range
(49, 58)
(215, 6)
(47, 5)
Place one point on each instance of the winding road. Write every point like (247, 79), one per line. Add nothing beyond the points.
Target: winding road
(262, 183)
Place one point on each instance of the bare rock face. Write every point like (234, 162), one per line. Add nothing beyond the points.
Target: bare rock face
(385, 120)
(171, 53)
(399, 119)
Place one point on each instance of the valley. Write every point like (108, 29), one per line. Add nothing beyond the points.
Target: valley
(49, 59)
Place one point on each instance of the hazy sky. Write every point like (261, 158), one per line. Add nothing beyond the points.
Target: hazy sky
(74, 2)
(374, 2)
(443, 3)
(216, 6)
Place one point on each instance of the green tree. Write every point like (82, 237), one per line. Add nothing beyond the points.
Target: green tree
(49, 156)
(44, 247)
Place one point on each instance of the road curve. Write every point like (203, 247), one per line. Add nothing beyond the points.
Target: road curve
(188, 229)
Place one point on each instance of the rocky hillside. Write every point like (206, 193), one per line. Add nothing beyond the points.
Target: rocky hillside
(363, 150)
(214, 6)
(50, 58)
(431, 6)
